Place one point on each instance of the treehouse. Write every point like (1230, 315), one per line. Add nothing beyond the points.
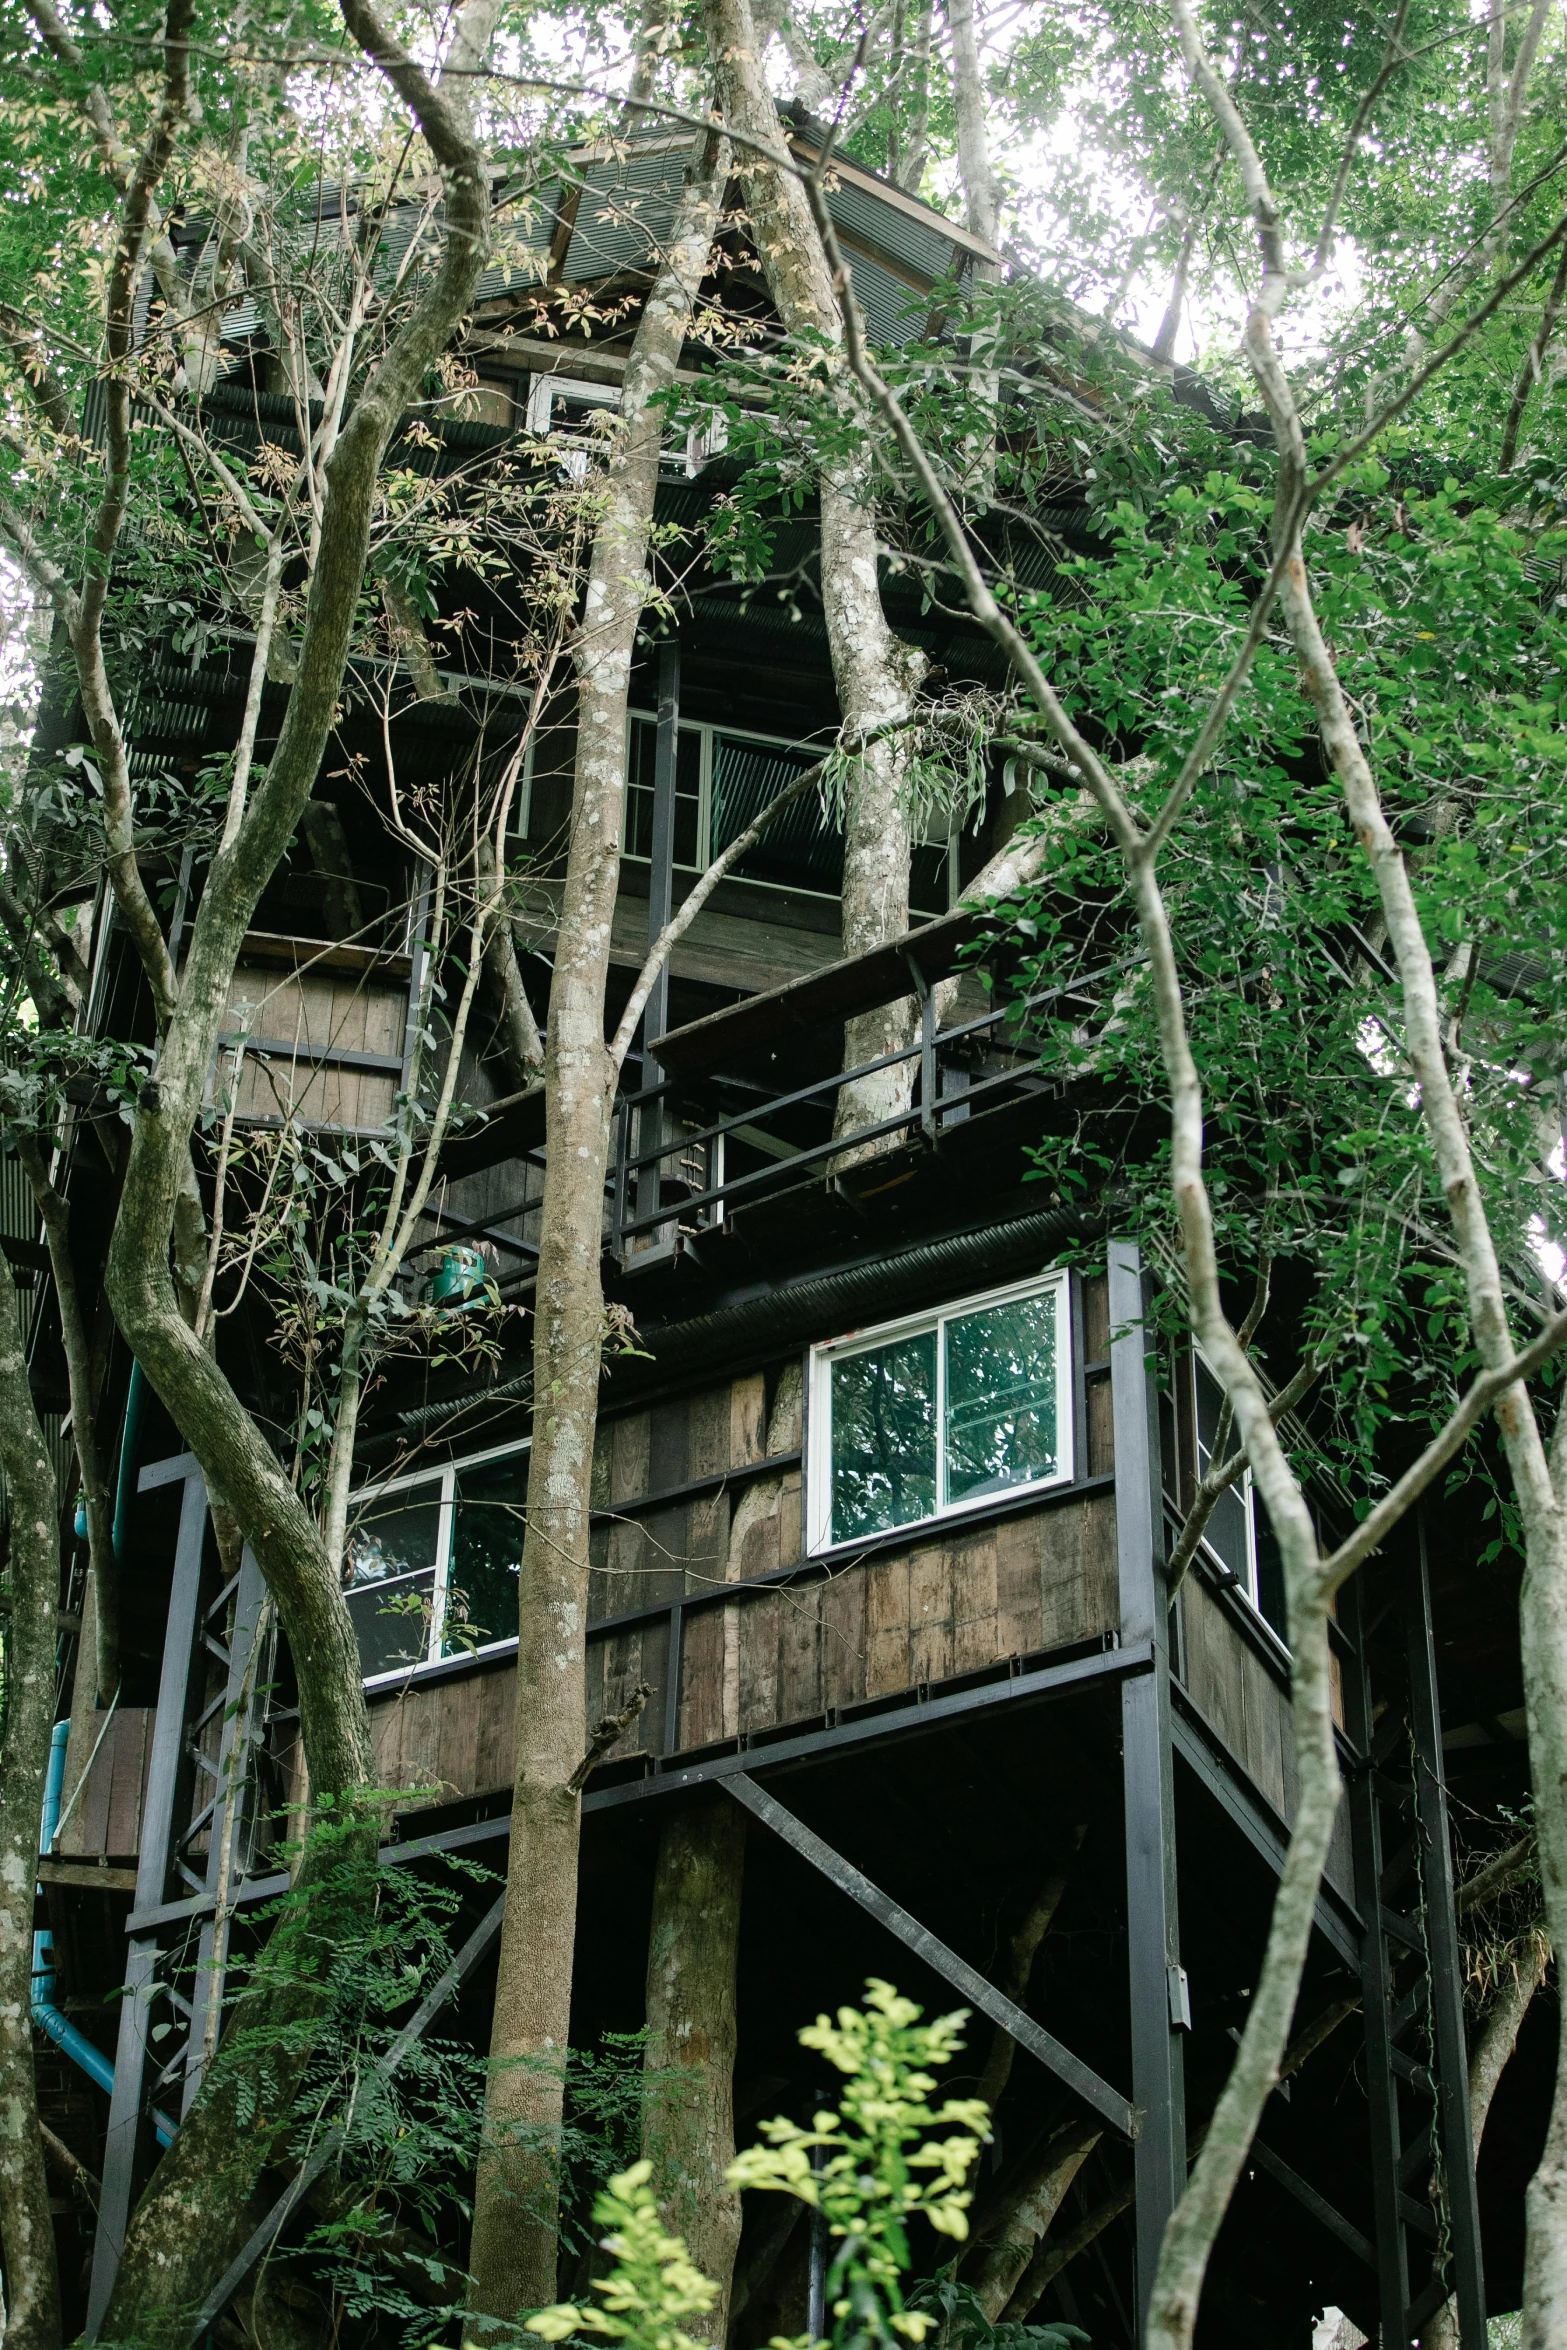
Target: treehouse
(884, 1488)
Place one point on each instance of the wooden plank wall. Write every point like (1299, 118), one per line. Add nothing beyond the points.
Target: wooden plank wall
(106, 1822)
(1248, 1708)
(351, 1011)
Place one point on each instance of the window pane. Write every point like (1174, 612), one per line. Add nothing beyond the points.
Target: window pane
(639, 795)
(393, 1544)
(392, 1621)
(1001, 1397)
(1227, 1531)
(394, 1535)
(481, 1599)
(884, 1437)
(801, 848)
(1270, 1575)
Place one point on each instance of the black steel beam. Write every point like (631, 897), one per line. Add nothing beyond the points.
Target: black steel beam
(1392, 2263)
(1043, 2046)
(1444, 1964)
(675, 1778)
(1308, 2198)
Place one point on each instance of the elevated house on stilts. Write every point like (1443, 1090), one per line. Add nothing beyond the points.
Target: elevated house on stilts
(883, 1492)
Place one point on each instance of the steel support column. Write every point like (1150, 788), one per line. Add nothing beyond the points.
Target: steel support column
(1426, 2212)
(1156, 1986)
(125, 2142)
(1444, 1965)
(660, 905)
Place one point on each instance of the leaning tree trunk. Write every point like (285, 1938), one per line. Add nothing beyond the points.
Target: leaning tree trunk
(514, 2224)
(195, 2213)
(876, 675)
(32, 2285)
(103, 1664)
(693, 1951)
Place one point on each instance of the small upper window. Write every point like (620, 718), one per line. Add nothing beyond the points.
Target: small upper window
(1237, 1536)
(940, 1413)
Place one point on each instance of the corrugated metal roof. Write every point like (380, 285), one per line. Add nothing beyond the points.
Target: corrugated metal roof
(894, 312)
(919, 244)
(626, 212)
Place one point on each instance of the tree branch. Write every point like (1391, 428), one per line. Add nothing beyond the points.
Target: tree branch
(680, 922)
(1222, 1475)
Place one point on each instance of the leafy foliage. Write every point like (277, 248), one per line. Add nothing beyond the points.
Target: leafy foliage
(869, 2167)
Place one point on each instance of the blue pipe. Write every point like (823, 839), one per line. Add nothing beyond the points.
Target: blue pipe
(46, 2015)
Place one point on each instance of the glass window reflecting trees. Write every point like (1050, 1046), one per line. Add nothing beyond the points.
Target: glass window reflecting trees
(940, 1413)
(433, 1563)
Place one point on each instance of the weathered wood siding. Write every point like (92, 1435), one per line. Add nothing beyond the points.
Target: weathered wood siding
(361, 1010)
(105, 1822)
(1248, 1708)
(950, 1602)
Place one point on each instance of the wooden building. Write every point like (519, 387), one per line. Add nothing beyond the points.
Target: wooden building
(882, 1505)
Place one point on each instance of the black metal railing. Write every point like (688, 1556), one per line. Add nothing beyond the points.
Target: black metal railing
(655, 1145)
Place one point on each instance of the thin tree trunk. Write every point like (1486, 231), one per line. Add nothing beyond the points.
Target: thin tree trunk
(195, 2212)
(1529, 373)
(1543, 1599)
(982, 190)
(103, 1566)
(514, 2226)
(688, 2131)
(32, 2282)
(876, 675)
(1022, 1950)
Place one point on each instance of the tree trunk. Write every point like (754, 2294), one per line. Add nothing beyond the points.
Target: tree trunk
(1488, 2060)
(33, 1581)
(981, 188)
(876, 676)
(195, 2213)
(103, 1667)
(688, 2131)
(1022, 1950)
(1008, 2245)
(514, 2224)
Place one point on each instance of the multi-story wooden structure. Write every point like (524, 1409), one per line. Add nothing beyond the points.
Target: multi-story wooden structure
(883, 1504)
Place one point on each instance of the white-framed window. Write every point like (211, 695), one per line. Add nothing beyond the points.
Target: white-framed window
(724, 777)
(940, 1413)
(432, 1562)
(563, 406)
